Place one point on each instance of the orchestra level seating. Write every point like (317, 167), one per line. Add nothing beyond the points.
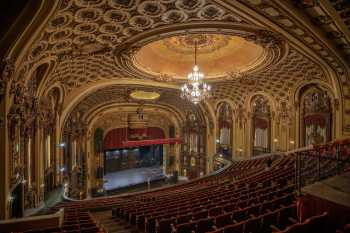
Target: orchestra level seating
(246, 197)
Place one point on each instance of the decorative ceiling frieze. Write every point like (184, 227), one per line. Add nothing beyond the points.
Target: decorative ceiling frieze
(280, 12)
(121, 94)
(93, 41)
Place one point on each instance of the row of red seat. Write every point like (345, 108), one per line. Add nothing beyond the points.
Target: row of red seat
(190, 207)
(73, 222)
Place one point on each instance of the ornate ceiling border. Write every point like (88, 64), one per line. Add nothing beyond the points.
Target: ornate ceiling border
(275, 47)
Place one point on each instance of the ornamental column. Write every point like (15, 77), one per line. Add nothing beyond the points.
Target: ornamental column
(4, 153)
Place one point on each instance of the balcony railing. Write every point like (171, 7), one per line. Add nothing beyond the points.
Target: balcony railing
(320, 162)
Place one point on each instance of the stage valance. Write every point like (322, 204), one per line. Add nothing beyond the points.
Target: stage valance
(151, 142)
(116, 137)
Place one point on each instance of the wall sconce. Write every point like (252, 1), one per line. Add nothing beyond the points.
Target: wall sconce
(10, 200)
(291, 142)
(217, 141)
(62, 145)
(275, 140)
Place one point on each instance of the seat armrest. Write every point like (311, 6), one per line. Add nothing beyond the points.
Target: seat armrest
(173, 228)
(292, 220)
(274, 228)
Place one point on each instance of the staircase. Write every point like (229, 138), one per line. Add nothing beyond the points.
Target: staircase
(112, 225)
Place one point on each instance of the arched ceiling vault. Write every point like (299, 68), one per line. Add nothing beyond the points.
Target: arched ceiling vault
(94, 42)
(104, 99)
(114, 116)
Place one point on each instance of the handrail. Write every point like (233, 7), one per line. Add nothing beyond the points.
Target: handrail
(337, 151)
(14, 225)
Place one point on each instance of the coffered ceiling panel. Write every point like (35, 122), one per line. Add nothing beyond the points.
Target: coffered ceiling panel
(92, 41)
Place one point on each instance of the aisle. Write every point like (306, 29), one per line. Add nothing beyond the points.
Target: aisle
(104, 219)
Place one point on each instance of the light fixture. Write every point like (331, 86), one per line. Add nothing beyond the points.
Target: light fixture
(62, 144)
(195, 90)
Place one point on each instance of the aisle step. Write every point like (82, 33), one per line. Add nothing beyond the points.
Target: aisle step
(112, 225)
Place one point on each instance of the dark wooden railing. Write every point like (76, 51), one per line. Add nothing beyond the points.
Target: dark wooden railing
(318, 162)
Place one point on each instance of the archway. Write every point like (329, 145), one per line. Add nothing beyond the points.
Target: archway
(225, 130)
(316, 118)
(261, 125)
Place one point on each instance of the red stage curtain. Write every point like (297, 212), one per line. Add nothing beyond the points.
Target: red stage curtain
(115, 137)
(155, 133)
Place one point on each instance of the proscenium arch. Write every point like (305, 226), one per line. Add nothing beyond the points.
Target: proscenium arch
(104, 108)
(84, 91)
(164, 112)
(111, 107)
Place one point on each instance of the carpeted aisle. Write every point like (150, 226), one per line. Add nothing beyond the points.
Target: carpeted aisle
(116, 225)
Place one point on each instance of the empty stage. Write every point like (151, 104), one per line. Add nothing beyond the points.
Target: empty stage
(130, 177)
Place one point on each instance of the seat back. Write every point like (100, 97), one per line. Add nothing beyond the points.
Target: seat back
(184, 218)
(297, 228)
(239, 215)
(317, 224)
(270, 218)
(215, 211)
(200, 215)
(164, 225)
(253, 225)
(234, 228)
(223, 220)
(186, 227)
(205, 225)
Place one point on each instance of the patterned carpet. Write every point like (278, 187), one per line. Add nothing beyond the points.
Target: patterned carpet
(104, 219)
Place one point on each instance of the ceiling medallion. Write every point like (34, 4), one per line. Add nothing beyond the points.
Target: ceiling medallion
(207, 43)
(144, 95)
(195, 90)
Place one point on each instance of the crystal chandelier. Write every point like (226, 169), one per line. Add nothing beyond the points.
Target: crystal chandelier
(195, 90)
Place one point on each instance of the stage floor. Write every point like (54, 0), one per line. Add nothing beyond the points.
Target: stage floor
(132, 177)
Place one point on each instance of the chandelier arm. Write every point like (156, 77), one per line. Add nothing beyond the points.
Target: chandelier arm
(195, 52)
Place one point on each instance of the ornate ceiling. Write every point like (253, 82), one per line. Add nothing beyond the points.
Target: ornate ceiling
(218, 55)
(120, 94)
(156, 118)
(144, 95)
(246, 46)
